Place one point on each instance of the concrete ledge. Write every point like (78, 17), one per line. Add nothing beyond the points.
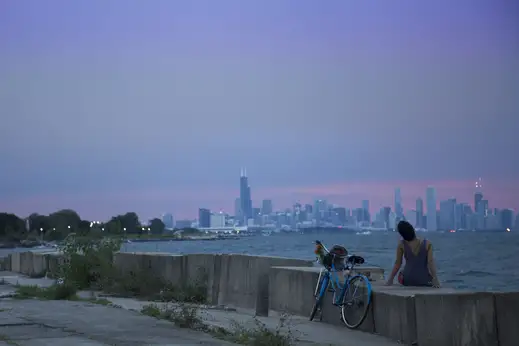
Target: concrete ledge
(428, 316)
(507, 318)
(456, 319)
(394, 310)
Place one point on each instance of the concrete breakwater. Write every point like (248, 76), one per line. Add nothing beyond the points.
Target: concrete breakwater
(427, 317)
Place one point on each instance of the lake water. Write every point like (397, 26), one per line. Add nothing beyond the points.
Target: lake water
(465, 260)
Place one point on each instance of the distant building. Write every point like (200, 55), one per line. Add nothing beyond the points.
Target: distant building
(412, 217)
(245, 197)
(447, 214)
(431, 209)
(420, 214)
(218, 220)
(184, 224)
(478, 196)
(366, 217)
(266, 207)
(204, 218)
(506, 218)
(399, 210)
(167, 219)
(237, 209)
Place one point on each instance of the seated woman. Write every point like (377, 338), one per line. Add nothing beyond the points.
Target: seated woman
(419, 269)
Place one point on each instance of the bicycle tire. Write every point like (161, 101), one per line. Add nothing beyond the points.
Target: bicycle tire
(319, 298)
(354, 324)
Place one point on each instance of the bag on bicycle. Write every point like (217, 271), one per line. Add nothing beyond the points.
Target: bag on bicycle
(337, 255)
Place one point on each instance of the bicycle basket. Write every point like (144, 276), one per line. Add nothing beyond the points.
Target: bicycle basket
(336, 256)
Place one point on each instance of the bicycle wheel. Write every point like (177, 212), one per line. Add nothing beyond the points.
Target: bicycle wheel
(321, 292)
(356, 301)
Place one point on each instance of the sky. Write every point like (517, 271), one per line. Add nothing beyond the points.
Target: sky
(154, 106)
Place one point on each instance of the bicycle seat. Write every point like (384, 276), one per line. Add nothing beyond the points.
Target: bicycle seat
(355, 259)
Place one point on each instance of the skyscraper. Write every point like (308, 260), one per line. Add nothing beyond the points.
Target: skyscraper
(365, 211)
(399, 210)
(266, 207)
(237, 209)
(204, 218)
(245, 197)
(419, 213)
(478, 197)
(431, 208)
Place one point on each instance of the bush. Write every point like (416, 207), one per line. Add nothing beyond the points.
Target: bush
(89, 260)
(89, 265)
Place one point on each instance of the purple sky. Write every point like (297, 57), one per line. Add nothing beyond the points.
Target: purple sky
(153, 106)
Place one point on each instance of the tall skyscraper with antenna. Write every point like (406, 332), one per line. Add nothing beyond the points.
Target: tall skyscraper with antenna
(478, 195)
(245, 197)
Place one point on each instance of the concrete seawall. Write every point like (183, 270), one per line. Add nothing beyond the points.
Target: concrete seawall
(423, 316)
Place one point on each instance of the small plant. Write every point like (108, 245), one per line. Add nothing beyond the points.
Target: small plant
(151, 310)
(182, 315)
(54, 292)
(259, 335)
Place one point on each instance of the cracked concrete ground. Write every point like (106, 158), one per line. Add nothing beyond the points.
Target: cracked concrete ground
(67, 323)
(35, 322)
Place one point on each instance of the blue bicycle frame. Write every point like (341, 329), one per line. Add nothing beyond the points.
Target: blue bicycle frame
(332, 278)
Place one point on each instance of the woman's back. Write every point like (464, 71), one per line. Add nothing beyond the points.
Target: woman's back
(416, 270)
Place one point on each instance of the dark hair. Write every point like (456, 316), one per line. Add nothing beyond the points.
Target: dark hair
(406, 230)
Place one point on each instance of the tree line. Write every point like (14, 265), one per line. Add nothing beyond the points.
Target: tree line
(58, 225)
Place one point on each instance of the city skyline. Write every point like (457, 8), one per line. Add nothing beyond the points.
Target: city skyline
(152, 107)
(381, 194)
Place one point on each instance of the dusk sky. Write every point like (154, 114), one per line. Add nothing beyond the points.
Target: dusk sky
(154, 106)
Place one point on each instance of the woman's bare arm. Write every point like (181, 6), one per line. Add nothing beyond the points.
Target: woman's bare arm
(431, 265)
(398, 264)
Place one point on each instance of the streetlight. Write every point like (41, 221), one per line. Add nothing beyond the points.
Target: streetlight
(68, 226)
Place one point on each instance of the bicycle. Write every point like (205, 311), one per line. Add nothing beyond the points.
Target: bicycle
(343, 295)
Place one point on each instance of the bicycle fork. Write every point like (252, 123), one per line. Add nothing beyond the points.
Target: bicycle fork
(317, 286)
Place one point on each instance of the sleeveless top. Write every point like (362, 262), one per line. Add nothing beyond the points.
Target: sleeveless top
(416, 270)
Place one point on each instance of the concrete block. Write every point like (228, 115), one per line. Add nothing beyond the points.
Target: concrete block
(245, 277)
(394, 314)
(5, 263)
(466, 319)
(26, 263)
(507, 317)
(291, 290)
(39, 264)
(166, 266)
(54, 262)
(15, 262)
(205, 269)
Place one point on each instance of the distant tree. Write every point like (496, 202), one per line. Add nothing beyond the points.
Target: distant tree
(38, 223)
(157, 226)
(114, 226)
(130, 221)
(12, 227)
